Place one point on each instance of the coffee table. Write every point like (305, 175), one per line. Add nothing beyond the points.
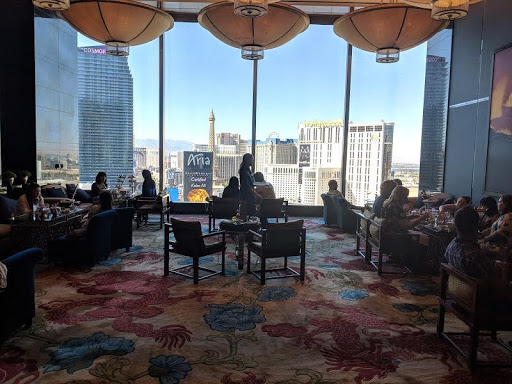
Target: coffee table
(240, 230)
(28, 234)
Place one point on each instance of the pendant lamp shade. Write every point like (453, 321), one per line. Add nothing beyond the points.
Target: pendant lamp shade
(387, 29)
(449, 9)
(53, 5)
(117, 23)
(281, 24)
(444, 9)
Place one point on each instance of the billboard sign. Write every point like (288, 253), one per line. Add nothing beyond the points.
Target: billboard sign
(197, 176)
(304, 155)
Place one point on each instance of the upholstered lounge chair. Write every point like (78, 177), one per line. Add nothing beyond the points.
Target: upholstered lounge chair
(93, 247)
(17, 300)
(122, 229)
(189, 241)
(278, 240)
(474, 302)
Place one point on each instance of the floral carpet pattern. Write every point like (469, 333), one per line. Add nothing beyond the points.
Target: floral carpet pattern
(123, 322)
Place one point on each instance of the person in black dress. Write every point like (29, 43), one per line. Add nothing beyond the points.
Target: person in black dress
(232, 190)
(247, 192)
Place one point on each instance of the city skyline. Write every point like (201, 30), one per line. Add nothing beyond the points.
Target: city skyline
(226, 86)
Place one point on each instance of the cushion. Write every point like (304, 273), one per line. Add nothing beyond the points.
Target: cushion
(460, 289)
(284, 238)
(70, 189)
(53, 190)
(82, 196)
(188, 237)
(7, 207)
(375, 230)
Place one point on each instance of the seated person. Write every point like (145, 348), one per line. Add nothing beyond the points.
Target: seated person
(149, 185)
(490, 213)
(465, 255)
(262, 187)
(333, 189)
(106, 202)
(462, 201)
(27, 200)
(499, 239)
(398, 182)
(464, 252)
(232, 190)
(100, 184)
(386, 187)
(396, 225)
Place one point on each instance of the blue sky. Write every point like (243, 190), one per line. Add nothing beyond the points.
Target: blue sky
(302, 80)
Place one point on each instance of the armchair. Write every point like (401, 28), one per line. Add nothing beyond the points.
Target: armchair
(144, 206)
(278, 240)
(122, 229)
(471, 301)
(220, 208)
(17, 299)
(384, 243)
(273, 209)
(363, 234)
(189, 241)
(337, 211)
(93, 247)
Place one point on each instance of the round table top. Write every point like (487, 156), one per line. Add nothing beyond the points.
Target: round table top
(239, 226)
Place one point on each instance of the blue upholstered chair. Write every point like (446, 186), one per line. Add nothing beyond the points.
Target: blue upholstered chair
(17, 300)
(337, 211)
(122, 229)
(330, 214)
(93, 247)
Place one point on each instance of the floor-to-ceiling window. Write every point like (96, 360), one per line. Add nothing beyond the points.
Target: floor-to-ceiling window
(56, 101)
(300, 114)
(208, 108)
(386, 111)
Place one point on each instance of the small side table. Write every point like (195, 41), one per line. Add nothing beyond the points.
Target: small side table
(240, 230)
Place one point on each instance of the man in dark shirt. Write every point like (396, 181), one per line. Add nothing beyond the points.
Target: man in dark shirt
(464, 252)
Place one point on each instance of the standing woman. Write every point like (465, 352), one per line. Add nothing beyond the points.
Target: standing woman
(247, 192)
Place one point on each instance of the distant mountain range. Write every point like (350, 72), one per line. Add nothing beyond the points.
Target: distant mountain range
(170, 145)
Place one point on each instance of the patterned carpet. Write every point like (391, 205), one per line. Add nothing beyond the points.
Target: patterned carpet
(123, 322)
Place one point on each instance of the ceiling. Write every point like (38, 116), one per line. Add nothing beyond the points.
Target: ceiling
(319, 11)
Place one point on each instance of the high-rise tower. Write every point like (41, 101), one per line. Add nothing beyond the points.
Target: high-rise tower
(211, 144)
(433, 134)
(105, 114)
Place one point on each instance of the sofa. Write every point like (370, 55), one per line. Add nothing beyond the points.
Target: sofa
(17, 299)
(56, 193)
(337, 211)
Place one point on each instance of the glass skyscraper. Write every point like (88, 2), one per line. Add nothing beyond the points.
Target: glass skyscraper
(435, 108)
(105, 114)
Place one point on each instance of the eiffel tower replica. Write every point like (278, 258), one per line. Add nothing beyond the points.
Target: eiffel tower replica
(218, 184)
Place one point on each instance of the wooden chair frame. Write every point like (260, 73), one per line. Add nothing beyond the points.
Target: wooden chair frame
(471, 312)
(225, 212)
(363, 234)
(160, 204)
(169, 246)
(261, 273)
(377, 242)
(283, 213)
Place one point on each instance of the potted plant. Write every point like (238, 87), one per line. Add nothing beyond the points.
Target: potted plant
(9, 177)
(24, 175)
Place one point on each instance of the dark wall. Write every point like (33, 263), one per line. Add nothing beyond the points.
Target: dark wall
(475, 38)
(17, 86)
